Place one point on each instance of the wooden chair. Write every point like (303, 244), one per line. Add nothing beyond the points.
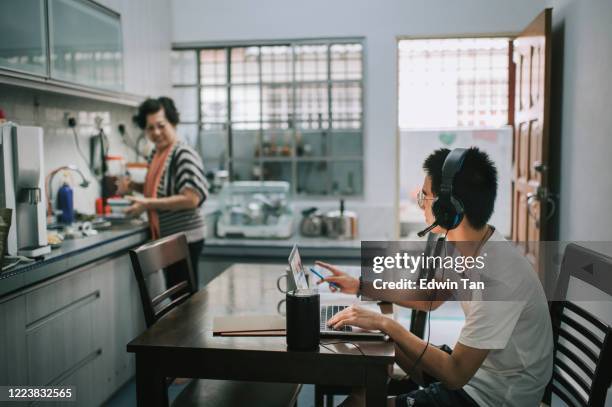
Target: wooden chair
(418, 318)
(582, 342)
(151, 262)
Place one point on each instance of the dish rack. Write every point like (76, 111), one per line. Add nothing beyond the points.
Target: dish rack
(255, 209)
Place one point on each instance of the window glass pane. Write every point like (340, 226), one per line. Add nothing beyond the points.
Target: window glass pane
(214, 126)
(212, 168)
(346, 61)
(276, 64)
(277, 143)
(245, 106)
(311, 62)
(184, 68)
(214, 104)
(346, 105)
(311, 144)
(86, 44)
(214, 145)
(245, 65)
(188, 133)
(245, 143)
(312, 177)
(277, 105)
(346, 143)
(186, 100)
(312, 109)
(453, 83)
(246, 170)
(213, 67)
(277, 171)
(346, 177)
(22, 33)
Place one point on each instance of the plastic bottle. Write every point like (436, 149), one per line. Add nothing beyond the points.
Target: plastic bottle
(65, 202)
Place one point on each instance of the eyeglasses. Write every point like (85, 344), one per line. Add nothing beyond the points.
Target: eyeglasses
(421, 198)
(159, 126)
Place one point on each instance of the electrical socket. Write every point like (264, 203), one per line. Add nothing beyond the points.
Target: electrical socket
(69, 121)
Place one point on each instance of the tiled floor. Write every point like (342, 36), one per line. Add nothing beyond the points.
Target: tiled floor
(126, 396)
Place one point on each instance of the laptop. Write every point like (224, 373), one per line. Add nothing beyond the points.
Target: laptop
(327, 311)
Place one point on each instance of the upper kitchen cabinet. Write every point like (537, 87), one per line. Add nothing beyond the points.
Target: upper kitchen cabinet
(23, 44)
(86, 44)
(111, 50)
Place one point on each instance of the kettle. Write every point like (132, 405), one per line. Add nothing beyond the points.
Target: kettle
(341, 224)
(312, 224)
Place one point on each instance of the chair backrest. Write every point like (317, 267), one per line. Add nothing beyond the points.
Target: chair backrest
(583, 343)
(433, 247)
(162, 258)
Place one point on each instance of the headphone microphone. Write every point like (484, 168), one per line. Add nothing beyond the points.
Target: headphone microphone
(428, 229)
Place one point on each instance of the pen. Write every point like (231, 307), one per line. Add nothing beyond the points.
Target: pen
(323, 278)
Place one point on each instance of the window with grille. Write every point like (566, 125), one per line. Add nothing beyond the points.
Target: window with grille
(291, 112)
(460, 82)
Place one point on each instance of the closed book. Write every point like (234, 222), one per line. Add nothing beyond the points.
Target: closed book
(280, 332)
(248, 323)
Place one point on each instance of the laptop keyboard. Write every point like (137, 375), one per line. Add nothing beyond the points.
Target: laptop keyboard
(328, 311)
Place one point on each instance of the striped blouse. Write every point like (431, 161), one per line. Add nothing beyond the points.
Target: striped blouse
(183, 169)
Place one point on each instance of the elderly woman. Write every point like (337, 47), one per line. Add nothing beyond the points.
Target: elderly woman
(175, 186)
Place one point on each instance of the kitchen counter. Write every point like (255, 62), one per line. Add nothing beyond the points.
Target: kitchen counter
(72, 254)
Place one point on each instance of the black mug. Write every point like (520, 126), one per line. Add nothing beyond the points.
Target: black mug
(302, 307)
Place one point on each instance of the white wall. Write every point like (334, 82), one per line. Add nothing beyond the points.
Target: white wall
(585, 122)
(380, 22)
(146, 28)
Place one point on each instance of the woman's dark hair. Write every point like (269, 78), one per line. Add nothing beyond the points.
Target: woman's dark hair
(151, 106)
(475, 184)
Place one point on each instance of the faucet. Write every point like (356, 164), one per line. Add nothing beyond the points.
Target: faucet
(71, 167)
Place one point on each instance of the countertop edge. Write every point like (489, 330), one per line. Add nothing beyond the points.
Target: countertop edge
(31, 274)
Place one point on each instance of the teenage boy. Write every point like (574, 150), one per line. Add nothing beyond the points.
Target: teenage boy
(503, 356)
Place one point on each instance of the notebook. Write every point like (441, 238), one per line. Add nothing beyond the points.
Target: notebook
(241, 324)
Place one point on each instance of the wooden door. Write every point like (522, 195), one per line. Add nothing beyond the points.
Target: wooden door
(531, 202)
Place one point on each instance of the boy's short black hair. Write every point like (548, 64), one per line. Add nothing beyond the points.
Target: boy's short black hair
(151, 106)
(475, 184)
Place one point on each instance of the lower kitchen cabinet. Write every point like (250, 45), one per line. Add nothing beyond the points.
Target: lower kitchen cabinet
(13, 355)
(73, 330)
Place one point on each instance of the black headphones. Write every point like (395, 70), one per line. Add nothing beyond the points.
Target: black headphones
(447, 209)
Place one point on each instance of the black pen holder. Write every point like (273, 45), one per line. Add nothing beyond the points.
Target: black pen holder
(303, 318)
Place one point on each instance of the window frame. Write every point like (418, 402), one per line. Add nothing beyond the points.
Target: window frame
(295, 160)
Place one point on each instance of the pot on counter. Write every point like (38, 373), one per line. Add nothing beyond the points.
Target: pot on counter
(312, 224)
(341, 224)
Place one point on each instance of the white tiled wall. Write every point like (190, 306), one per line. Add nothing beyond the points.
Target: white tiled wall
(47, 110)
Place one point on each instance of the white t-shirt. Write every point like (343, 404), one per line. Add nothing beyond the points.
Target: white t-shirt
(516, 328)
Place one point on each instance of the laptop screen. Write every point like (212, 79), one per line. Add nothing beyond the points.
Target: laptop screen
(295, 263)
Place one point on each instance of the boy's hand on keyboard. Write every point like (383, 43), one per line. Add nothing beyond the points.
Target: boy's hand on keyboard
(359, 317)
(347, 284)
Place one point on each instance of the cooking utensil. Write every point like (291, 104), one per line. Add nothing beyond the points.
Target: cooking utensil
(341, 224)
(312, 223)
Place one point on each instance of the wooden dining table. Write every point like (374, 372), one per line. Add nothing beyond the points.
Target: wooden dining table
(182, 344)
